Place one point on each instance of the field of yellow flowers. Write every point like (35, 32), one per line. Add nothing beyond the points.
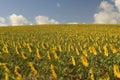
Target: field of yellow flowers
(60, 52)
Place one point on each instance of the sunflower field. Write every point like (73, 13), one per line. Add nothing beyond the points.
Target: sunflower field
(60, 52)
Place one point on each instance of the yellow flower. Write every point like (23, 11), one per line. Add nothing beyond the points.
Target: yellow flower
(100, 78)
(43, 45)
(16, 70)
(77, 51)
(90, 49)
(6, 76)
(85, 45)
(32, 68)
(72, 47)
(17, 50)
(23, 55)
(85, 53)
(73, 60)
(69, 48)
(105, 50)
(55, 54)
(53, 71)
(29, 48)
(116, 70)
(95, 44)
(48, 55)
(1, 64)
(19, 45)
(14, 45)
(25, 43)
(84, 61)
(91, 74)
(113, 48)
(5, 49)
(81, 48)
(78, 43)
(60, 49)
(38, 54)
(19, 76)
(107, 76)
(93, 50)
(6, 68)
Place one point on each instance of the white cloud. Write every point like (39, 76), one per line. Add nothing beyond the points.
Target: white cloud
(72, 23)
(2, 21)
(108, 12)
(117, 4)
(18, 20)
(106, 6)
(58, 5)
(45, 20)
(3, 24)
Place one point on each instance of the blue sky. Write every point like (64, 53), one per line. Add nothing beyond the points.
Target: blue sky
(63, 11)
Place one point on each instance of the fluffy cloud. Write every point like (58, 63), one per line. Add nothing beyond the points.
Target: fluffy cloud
(108, 12)
(18, 20)
(117, 4)
(72, 23)
(2, 21)
(45, 20)
(3, 24)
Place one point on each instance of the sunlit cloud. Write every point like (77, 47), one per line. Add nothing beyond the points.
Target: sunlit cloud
(18, 20)
(45, 20)
(2, 21)
(108, 12)
(72, 23)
